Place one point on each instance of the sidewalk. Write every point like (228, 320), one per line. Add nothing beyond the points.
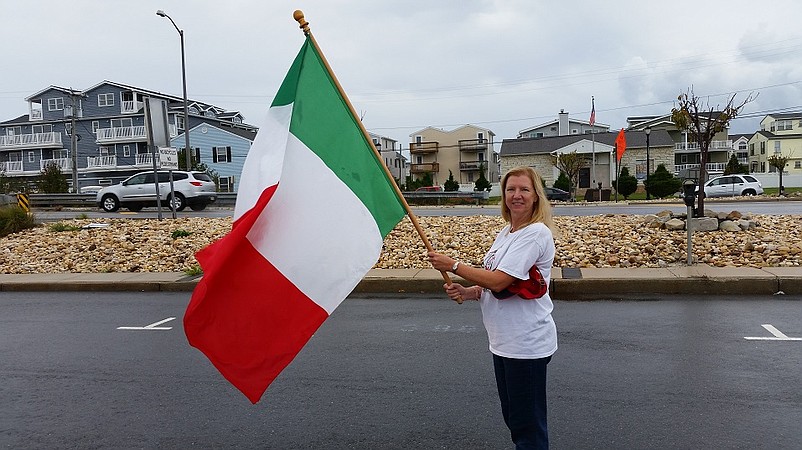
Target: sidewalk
(567, 284)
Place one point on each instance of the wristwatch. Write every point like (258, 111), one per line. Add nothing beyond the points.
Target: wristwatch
(454, 267)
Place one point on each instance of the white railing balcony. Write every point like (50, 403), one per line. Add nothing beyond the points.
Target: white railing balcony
(93, 162)
(130, 107)
(11, 167)
(711, 167)
(63, 163)
(121, 134)
(144, 159)
(714, 145)
(34, 140)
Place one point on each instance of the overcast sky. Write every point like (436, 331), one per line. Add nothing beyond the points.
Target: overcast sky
(406, 65)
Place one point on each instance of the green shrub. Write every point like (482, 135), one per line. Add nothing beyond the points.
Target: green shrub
(626, 184)
(451, 184)
(14, 219)
(482, 184)
(661, 183)
(194, 270)
(562, 182)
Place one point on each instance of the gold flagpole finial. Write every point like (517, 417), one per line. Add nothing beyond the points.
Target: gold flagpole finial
(299, 16)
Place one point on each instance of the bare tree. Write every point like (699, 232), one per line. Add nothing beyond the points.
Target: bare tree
(779, 162)
(570, 164)
(703, 122)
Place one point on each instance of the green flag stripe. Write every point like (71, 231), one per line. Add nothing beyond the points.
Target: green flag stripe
(322, 120)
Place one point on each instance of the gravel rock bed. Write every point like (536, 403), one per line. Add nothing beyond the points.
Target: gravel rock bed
(144, 245)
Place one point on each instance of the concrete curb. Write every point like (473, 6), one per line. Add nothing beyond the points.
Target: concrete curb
(566, 284)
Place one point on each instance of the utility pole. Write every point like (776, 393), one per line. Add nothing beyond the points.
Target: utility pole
(73, 144)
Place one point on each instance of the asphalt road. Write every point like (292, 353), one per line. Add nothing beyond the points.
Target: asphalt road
(582, 209)
(400, 373)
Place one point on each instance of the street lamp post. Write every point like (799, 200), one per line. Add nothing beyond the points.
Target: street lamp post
(648, 131)
(187, 150)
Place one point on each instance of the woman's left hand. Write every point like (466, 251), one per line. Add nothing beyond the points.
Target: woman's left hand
(441, 262)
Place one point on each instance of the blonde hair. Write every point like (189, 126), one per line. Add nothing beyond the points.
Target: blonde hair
(542, 210)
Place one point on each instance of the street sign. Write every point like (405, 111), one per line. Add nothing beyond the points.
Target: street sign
(168, 157)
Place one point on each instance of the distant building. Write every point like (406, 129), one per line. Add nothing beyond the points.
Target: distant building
(542, 154)
(463, 152)
(111, 136)
(393, 159)
(780, 134)
(563, 126)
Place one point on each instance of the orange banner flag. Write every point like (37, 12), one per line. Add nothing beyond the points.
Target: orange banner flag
(620, 144)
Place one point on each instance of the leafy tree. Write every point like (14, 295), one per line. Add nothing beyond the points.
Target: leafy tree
(570, 164)
(51, 180)
(733, 166)
(451, 184)
(626, 184)
(779, 162)
(703, 122)
(482, 184)
(562, 182)
(661, 183)
(196, 165)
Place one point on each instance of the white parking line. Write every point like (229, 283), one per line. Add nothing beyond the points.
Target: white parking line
(778, 335)
(153, 326)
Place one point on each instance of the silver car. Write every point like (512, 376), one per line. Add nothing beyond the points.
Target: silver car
(194, 189)
(732, 185)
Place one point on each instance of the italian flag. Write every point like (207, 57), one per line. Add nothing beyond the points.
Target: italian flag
(313, 208)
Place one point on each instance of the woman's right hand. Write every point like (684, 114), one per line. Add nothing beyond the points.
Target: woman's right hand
(458, 292)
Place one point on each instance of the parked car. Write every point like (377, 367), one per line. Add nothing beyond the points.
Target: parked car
(194, 189)
(555, 194)
(732, 185)
(429, 189)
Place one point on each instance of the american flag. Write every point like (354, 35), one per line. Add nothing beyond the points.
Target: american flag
(592, 111)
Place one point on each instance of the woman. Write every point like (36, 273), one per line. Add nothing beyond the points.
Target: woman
(521, 332)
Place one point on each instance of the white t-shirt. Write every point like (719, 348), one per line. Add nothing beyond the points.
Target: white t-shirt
(519, 328)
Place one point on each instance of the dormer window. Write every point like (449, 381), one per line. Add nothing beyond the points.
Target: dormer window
(193, 110)
(105, 99)
(55, 104)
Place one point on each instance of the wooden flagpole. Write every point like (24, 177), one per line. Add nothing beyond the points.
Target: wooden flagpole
(298, 15)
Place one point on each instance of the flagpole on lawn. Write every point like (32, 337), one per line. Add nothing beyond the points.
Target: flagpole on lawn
(298, 15)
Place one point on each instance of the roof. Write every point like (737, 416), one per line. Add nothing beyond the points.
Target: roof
(21, 119)
(545, 145)
(440, 130)
(790, 115)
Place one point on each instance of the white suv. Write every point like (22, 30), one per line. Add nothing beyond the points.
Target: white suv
(193, 189)
(732, 185)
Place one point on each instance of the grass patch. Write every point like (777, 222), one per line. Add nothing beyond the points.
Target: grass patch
(82, 216)
(180, 233)
(14, 219)
(194, 271)
(58, 226)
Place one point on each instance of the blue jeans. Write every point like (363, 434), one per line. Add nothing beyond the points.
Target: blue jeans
(522, 391)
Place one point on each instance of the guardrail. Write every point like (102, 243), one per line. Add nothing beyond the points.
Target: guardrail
(228, 199)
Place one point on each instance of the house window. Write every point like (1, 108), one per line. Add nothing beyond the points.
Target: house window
(221, 154)
(31, 157)
(60, 154)
(480, 136)
(55, 104)
(193, 110)
(742, 146)
(122, 123)
(797, 164)
(105, 99)
(179, 122)
(95, 126)
(539, 134)
(103, 151)
(37, 129)
(574, 131)
(777, 147)
(762, 166)
(13, 131)
(197, 155)
(762, 148)
(126, 150)
(226, 184)
(68, 129)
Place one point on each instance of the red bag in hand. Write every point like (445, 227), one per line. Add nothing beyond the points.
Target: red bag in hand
(533, 288)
